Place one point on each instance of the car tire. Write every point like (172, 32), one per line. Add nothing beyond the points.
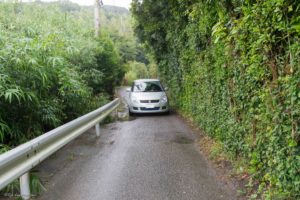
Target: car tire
(167, 112)
(130, 113)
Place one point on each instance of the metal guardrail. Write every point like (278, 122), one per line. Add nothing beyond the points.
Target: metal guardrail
(20, 160)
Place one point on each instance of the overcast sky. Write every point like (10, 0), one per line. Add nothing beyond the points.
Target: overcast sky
(122, 3)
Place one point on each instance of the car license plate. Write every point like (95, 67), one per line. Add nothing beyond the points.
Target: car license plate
(150, 106)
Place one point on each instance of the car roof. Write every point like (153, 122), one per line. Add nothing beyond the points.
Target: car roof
(144, 80)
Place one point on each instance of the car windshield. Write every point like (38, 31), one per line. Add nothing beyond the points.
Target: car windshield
(147, 86)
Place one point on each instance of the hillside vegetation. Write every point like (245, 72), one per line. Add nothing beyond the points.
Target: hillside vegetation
(234, 67)
(53, 69)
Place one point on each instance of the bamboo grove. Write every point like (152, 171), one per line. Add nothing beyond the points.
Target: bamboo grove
(53, 69)
(234, 67)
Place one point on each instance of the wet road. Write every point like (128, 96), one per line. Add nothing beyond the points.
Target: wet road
(147, 157)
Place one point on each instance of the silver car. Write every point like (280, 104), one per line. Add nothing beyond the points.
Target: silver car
(147, 96)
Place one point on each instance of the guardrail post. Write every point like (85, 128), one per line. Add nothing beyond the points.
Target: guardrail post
(116, 114)
(97, 129)
(25, 186)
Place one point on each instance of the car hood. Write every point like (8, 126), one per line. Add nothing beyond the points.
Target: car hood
(147, 95)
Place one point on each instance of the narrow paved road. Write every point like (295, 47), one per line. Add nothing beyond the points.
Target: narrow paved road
(148, 157)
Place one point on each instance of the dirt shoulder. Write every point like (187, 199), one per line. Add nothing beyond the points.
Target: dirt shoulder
(225, 167)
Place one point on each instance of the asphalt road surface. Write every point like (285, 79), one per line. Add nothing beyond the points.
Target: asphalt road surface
(151, 157)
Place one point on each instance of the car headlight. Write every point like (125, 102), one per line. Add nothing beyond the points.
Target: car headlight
(134, 99)
(164, 99)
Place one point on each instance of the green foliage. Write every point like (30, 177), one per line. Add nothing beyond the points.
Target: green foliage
(233, 66)
(99, 65)
(52, 68)
(136, 71)
(132, 54)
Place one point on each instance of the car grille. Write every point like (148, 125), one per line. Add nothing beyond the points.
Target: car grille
(149, 101)
(155, 108)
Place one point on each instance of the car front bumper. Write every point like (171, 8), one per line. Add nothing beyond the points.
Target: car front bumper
(147, 108)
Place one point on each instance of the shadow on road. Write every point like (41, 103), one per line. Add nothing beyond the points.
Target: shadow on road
(150, 114)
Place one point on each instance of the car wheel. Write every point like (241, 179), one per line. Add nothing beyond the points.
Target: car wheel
(130, 113)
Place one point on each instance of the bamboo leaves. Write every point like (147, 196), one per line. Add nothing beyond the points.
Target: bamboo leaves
(13, 93)
(52, 69)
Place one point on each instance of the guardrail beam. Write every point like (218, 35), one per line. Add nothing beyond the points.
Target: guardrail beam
(20, 160)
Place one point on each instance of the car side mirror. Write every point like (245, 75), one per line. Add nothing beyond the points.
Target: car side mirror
(128, 89)
(166, 88)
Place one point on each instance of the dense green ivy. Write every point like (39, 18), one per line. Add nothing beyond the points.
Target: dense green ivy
(234, 67)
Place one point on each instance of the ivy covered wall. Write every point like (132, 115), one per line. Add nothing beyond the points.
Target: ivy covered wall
(234, 67)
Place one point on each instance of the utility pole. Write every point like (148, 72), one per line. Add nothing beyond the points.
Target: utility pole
(122, 26)
(98, 4)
